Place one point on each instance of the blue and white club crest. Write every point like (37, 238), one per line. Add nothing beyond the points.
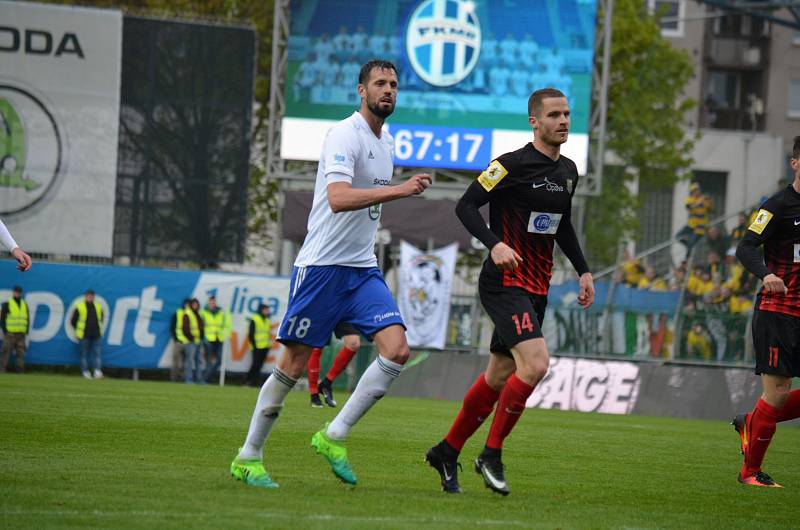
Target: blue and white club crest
(443, 40)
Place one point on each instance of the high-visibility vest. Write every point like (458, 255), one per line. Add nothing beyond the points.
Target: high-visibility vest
(17, 318)
(262, 336)
(83, 310)
(179, 326)
(217, 325)
(194, 326)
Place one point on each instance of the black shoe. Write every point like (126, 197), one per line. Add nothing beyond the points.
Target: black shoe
(491, 468)
(315, 401)
(447, 466)
(327, 393)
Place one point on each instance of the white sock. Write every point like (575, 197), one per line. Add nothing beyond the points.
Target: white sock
(268, 407)
(372, 386)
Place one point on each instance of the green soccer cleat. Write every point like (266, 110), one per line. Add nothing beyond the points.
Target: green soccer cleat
(252, 473)
(336, 455)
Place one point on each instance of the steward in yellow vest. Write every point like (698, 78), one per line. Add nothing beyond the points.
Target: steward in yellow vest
(87, 319)
(260, 341)
(217, 321)
(15, 323)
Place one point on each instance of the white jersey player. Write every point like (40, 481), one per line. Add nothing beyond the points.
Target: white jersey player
(336, 279)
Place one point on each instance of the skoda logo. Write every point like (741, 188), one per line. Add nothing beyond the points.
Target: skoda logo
(443, 40)
(541, 222)
(32, 150)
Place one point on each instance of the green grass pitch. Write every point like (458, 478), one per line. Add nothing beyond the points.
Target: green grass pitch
(124, 454)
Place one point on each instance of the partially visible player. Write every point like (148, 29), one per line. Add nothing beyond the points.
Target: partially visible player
(336, 277)
(776, 322)
(529, 192)
(24, 262)
(352, 342)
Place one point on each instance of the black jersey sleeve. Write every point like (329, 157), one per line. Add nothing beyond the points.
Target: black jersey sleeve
(567, 240)
(757, 233)
(494, 179)
(468, 213)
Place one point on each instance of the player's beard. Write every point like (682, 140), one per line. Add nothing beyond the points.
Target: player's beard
(375, 108)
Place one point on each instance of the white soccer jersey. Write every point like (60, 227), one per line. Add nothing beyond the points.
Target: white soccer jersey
(351, 153)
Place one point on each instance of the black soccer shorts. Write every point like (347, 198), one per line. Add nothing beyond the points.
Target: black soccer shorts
(517, 316)
(776, 338)
(344, 328)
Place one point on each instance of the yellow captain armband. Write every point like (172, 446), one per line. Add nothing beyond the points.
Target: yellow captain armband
(492, 175)
(761, 221)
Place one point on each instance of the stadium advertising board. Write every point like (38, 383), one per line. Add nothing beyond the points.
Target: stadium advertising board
(466, 69)
(138, 304)
(59, 118)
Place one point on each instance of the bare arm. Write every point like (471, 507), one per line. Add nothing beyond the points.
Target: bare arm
(343, 197)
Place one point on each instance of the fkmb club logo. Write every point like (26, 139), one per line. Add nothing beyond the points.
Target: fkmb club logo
(443, 40)
(31, 150)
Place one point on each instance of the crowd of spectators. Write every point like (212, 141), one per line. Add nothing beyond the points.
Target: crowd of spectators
(718, 293)
(507, 66)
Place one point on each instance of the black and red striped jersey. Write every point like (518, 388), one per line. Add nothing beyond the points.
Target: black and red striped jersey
(530, 204)
(777, 227)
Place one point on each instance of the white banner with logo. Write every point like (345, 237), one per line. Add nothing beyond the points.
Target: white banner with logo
(59, 119)
(424, 293)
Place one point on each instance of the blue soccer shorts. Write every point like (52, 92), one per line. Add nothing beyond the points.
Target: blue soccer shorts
(321, 297)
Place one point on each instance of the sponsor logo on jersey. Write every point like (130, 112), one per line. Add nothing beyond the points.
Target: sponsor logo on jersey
(339, 158)
(544, 223)
(371, 156)
(551, 186)
(797, 253)
(761, 221)
(443, 40)
(387, 315)
(492, 175)
(380, 182)
(569, 185)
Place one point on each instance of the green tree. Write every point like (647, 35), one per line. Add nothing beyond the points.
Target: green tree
(645, 127)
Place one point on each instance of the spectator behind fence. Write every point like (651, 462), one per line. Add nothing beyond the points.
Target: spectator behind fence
(650, 281)
(260, 341)
(739, 230)
(191, 337)
(87, 319)
(217, 322)
(698, 342)
(15, 324)
(631, 268)
(717, 240)
(699, 208)
(175, 326)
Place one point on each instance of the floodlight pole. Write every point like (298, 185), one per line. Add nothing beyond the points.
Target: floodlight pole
(598, 119)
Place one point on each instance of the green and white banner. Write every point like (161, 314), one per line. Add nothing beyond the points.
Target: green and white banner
(59, 119)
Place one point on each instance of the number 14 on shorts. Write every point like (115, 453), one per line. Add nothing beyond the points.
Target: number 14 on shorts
(524, 323)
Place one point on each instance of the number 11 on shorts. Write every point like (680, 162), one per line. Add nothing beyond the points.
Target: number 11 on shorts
(525, 324)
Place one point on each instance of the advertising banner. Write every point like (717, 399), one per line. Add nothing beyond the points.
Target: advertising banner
(139, 304)
(466, 69)
(59, 119)
(424, 293)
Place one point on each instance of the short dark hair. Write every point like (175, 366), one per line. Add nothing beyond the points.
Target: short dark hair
(16, 289)
(796, 148)
(89, 291)
(369, 66)
(535, 101)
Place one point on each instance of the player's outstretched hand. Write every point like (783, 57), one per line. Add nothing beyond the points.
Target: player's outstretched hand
(505, 257)
(417, 184)
(24, 262)
(586, 290)
(773, 284)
